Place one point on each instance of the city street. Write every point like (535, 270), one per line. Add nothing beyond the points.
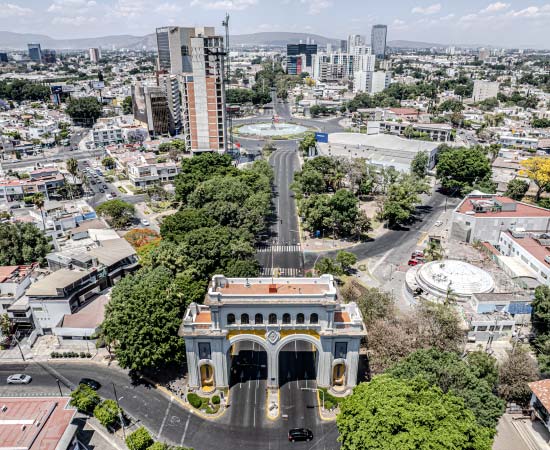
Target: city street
(169, 421)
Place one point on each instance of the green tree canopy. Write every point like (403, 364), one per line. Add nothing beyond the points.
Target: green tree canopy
(419, 164)
(117, 212)
(84, 398)
(139, 440)
(447, 371)
(390, 413)
(460, 169)
(518, 369)
(127, 105)
(22, 243)
(84, 111)
(143, 318)
(516, 189)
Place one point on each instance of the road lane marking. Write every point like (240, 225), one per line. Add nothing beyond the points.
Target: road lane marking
(165, 417)
(185, 430)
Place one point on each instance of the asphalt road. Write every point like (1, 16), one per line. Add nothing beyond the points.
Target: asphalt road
(169, 421)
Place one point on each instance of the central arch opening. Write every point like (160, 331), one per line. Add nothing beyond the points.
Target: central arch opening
(247, 362)
(298, 361)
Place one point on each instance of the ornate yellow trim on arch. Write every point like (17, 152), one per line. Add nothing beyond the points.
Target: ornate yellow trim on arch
(259, 333)
(312, 333)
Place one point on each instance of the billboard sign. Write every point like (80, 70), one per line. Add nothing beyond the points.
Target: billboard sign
(321, 137)
(98, 85)
(67, 88)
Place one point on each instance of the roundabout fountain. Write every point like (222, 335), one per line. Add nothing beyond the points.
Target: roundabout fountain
(275, 130)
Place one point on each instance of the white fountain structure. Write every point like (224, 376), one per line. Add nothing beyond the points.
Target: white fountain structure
(272, 129)
(438, 279)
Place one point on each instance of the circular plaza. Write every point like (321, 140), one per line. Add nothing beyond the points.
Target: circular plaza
(438, 280)
(269, 130)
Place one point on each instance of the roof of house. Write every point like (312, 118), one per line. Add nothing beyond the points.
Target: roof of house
(522, 209)
(405, 111)
(34, 423)
(112, 251)
(90, 316)
(382, 141)
(274, 289)
(542, 391)
(88, 224)
(54, 281)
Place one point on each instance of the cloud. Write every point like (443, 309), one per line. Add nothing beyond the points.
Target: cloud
(316, 6)
(495, 7)
(432, 9)
(129, 8)
(226, 5)
(531, 12)
(64, 5)
(168, 8)
(11, 10)
(74, 21)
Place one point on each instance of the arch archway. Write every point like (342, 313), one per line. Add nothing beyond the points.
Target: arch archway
(299, 361)
(338, 374)
(207, 379)
(247, 358)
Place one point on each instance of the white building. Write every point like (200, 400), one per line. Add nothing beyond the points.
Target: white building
(94, 54)
(272, 314)
(482, 217)
(142, 173)
(107, 135)
(484, 89)
(371, 82)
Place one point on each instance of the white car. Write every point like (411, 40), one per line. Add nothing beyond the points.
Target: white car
(438, 223)
(145, 222)
(109, 197)
(19, 378)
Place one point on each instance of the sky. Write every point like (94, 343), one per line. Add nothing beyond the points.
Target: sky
(512, 23)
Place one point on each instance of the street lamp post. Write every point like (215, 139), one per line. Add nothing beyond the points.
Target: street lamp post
(317, 390)
(59, 387)
(119, 412)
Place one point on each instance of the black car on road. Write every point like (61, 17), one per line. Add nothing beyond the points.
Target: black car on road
(300, 434)
(95, 385)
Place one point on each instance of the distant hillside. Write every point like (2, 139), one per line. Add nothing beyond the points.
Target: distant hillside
(19, 41)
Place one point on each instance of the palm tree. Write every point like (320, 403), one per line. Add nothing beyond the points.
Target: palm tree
(38, 201)
(433, 252)
(72, 168)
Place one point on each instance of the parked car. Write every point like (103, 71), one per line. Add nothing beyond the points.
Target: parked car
(19, 378)
(104, 186)
(101, 190)
(300, 434)
(438, 223)
(415, 261)
(145, 222)
(95, 385)
(417, 254)
(109, 196)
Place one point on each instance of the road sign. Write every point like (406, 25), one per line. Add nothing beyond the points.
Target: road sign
(321, 137)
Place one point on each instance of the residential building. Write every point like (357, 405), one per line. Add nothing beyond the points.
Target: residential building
(295, 64)
(107, 135)
(94, 54)
(49, 56)
(343, 45)
(335, 66)
(3, 57)
(378, 40)
(151, 108)
(32, 423)
(85, 323)
(540, 401)
(354, 40)
(14, 281)
(484, 89)
(302, 49)
(46, 181)
(371, 82)
(142, 173)
(482, 217)
(174, 47)
(35, 52)
(439, 132)
(383, 150)
(272, 314)
(171, 86)
(203, 96)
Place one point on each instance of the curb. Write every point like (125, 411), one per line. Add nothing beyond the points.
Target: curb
(321, 416)
(186, 405)
(278, 406)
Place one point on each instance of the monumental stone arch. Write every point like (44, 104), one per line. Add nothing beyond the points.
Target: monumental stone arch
(269, 314)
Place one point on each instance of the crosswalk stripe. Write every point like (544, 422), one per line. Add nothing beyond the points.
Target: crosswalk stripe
(281, 271)
(280, 249)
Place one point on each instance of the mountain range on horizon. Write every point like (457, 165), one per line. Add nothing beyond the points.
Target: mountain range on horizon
(18, 41)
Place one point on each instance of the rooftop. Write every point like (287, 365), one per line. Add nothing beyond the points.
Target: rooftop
(60, 279)
(90, 316)
(34, 423)
(542, 390)
(492, 206)
(14, 274)
(383, 141)
(537, 246)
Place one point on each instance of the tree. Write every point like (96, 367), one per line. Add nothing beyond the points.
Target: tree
(158, 446)
(242, 268)
(38, 201)
(84, 111)
(22, 244)
(307, 143)
(127, 105)
(401, 200)
(419, 164)
(433, 251)
(389, 413)
(540, 313)
(139, 439)
(328, 265)
(460, 169)
(373, 303)
(108, 162)
(5, 325)
(117, 212)
(174, 227)
(484, 367)
(518, 369)
(516, 189)
(143, 318)
(108, 413)
(84, 398)
(537, 169)
(447, 371)
(346, 260)
(72, 167)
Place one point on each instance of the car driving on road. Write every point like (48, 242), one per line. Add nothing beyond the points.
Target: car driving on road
(19, 378)
(300, 434)
(95, 385)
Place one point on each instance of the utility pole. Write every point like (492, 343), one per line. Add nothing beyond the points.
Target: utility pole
(119, 412)
(59, 387)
